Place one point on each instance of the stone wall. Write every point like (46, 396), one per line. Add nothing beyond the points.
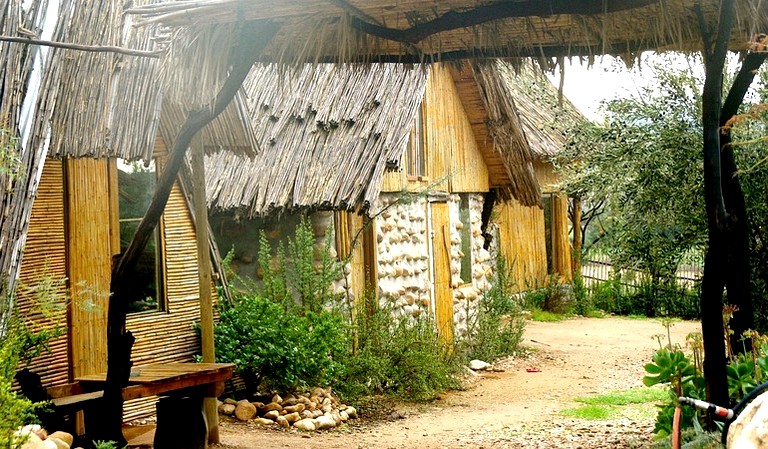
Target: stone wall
(466, 292)
(403, 256)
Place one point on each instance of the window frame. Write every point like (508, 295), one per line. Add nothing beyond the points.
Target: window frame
(161, 297)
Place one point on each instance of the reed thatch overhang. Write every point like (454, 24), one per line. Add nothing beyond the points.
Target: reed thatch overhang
(396, 30)
(326, 134)
(545, 115)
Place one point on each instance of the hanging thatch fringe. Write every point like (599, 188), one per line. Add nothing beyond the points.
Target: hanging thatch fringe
(543, 116)
(316, 30)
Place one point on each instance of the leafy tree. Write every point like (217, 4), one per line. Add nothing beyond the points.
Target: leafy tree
(643, 165)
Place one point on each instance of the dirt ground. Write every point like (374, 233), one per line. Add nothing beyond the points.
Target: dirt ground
(514, 408)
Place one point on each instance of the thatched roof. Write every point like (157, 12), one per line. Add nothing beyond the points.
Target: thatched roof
(325, 132)
(545, 115)
(396, 30)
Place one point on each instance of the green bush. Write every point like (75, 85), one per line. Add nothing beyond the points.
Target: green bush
(282, 348)
(400, 357)
(15, 410)
(496, 328)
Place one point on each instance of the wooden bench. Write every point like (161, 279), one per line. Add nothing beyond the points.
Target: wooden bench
(180, 386)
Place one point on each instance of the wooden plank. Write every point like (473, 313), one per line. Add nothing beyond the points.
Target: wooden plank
(77, 399)
(441, 244)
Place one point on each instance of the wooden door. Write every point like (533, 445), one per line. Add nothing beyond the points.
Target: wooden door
(441, 253)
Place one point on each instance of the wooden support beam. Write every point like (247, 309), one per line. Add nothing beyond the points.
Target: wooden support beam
(204, 278)
(495, 11)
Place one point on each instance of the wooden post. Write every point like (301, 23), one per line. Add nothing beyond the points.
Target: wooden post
(204, 278)
(576, 236)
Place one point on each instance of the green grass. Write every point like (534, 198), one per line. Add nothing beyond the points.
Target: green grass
(635, 403)
(542, 315)
(640, 395)
(590, 412)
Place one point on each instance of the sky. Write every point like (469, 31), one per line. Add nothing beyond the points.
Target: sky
(610, 78)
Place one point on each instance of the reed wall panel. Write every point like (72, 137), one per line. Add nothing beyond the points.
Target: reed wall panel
(394, 181)
(471, 98)
(89, 261)
(45, 265)
(435, 126)
(467, 169)
(561, 244)
(522, 241)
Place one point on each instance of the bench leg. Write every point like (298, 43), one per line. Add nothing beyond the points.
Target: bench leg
(180, 423)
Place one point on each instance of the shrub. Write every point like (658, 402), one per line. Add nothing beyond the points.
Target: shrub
(496, 328)
(399, 357)
(283, 349)
(554, 297)
(15, 410)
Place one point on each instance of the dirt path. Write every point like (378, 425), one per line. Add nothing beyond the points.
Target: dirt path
(514, 408)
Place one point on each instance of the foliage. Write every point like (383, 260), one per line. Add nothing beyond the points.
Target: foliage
(105, 445)
(624, 294)
(643, 165)
(402, 358)
(282, 348)
(15, 410)
(554, 297)
(312, 272)
(496, 328)
(670, 365)
(10, 160)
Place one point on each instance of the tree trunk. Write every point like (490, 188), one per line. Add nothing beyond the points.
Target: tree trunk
(737, 275)
(251, 41)
(713, 281)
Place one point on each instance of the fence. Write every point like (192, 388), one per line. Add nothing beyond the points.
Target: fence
(599, 269)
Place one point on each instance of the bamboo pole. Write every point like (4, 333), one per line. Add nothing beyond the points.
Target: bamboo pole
(204, 278)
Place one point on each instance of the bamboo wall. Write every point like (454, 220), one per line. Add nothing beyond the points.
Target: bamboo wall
(450, 147)
(70, 234)
(450, 143)
(561, 244)
(89, 263)
(45, 260)
(522, 242)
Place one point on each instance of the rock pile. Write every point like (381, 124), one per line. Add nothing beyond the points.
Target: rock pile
(316, 410)
(35, 437)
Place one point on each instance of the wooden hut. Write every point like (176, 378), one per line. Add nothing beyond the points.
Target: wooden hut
(545, 117)
(408, 155)
(76, 115)
(89, 146)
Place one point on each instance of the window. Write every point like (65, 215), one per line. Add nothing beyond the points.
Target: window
(415, 164)
(466, 239)
(135, 185)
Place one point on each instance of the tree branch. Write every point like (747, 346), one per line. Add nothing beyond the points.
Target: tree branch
(495, 11)
(250, 46)
(81, 47)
